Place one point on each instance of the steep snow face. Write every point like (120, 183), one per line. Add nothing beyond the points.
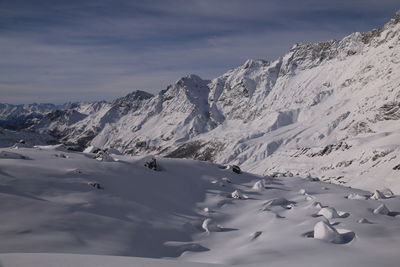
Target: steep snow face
(175, 115)
(332, 112)
(240, 93)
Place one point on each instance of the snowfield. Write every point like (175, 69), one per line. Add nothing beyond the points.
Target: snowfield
(68, 203)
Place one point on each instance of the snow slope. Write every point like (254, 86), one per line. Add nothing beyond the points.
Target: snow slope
(188, 211)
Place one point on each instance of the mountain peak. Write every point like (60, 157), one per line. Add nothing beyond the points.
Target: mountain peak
(251, 63)
(188, 83)
(189, 80)
(133, 96)
(139, 94)
(396, 17)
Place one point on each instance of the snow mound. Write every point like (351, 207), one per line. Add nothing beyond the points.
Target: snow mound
(356, 196)
(382, 209)
(331, 213)
(317, 205)
(363, 220)
(324, 231)
(377, 195)
(11, 155)
(302, 192)
(387, 192)
(259, 185)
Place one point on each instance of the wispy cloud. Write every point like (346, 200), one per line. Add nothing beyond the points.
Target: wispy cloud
(55, 51)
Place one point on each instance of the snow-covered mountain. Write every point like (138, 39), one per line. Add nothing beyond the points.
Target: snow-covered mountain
(328, 109)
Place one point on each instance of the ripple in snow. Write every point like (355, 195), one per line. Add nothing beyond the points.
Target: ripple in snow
(363, 220)
(182, 247)
(278, 202)
(11, 155)
(226, 180)
(283, 202)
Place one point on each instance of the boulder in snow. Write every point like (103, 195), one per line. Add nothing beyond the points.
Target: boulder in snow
(237, 195)
(103, 156)
(96, 185)
(236, 169)
(152, 164)
(328, 213)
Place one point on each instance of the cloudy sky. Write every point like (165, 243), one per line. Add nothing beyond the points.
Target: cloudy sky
(71, 50)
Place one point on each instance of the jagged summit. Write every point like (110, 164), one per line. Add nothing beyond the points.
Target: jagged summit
(396, 18)
(133, 96)
(189, 82)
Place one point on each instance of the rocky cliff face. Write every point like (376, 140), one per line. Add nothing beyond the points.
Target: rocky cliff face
(329, 109)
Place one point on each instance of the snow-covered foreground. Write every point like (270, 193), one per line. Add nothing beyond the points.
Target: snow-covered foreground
(54, 201)
(69, 260)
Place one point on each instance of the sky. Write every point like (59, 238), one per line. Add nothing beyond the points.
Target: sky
(75, 50)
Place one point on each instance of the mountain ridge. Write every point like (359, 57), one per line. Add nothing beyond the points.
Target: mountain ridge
(264, 114)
